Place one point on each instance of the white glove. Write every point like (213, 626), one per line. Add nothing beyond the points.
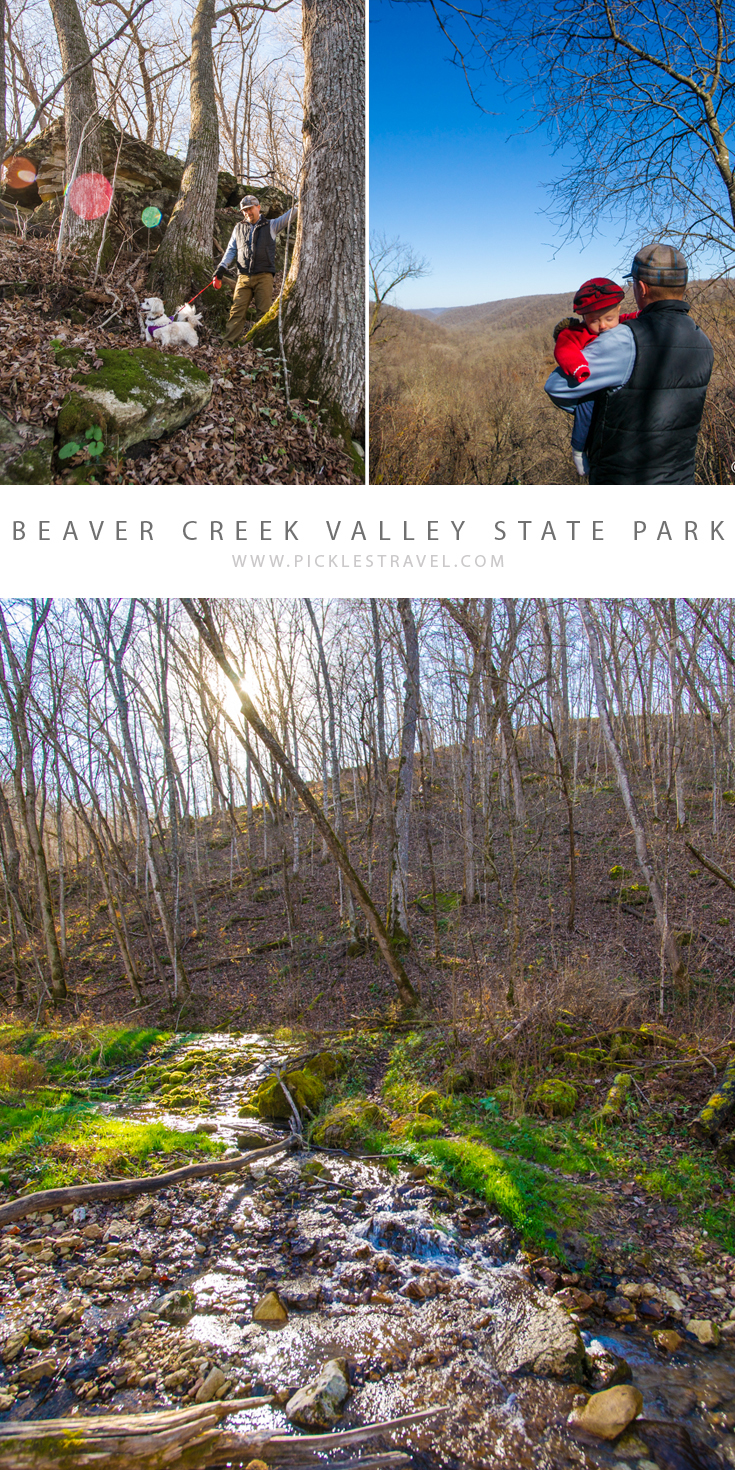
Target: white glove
(581, 462)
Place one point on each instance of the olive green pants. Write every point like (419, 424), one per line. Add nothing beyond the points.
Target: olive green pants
(260, 288)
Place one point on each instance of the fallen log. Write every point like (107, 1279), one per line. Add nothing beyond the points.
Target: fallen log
(190, 1439)
(719, 1110)
(617, 1099)
(711, 866)
(80, 1194)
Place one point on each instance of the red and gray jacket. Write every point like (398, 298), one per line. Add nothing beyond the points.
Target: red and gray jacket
(253, 247)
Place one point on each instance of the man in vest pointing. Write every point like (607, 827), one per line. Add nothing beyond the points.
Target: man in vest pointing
(648, 378)
(253, 248)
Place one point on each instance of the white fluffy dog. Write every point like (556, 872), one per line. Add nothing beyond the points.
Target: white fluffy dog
(167, 332)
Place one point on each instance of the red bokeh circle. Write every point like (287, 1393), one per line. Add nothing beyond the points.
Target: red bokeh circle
(90, 195)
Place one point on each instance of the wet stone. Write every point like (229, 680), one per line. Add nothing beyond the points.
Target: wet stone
(176, 1307)
(606, 1415)
(318, 1405)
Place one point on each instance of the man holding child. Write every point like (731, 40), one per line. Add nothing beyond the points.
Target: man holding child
(636, 386)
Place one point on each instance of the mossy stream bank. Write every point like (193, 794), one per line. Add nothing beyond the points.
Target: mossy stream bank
(427, 1292)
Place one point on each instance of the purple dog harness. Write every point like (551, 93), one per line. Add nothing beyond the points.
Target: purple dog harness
(159, 325)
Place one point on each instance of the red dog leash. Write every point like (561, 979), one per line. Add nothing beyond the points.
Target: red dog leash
(214, 282)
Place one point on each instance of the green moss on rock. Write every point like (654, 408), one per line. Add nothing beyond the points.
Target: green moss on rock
(719, 1109)
(326, 1065)
(431, 1103)
(22, 463)
(555, 1098)
(138, 393)
(347, 1121)
(306, 1090)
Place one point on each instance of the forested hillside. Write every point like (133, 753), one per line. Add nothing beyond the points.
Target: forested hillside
(458, 399)
(436, 894)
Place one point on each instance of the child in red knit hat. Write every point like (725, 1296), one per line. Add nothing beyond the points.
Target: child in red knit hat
(598, 303)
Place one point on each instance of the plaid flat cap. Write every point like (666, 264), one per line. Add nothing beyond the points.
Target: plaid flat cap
(660, 265)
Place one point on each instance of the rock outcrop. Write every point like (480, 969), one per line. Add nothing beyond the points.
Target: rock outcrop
(145, 176)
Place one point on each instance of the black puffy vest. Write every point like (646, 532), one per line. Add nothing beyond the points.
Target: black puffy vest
(645, 433)
(256, 248)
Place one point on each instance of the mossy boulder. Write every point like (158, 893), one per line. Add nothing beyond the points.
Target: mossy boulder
(25, 454)
(504, 1096)
(458, 1080)
(555, 1098)
(327, 1064)
(138, 393)
(347, 1121)
(431, 1104)
(180, 1100)
(306, 1090)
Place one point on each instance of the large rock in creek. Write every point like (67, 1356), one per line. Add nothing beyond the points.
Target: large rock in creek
(533, 1333)
(25, 453)
(138, 393)
(318, 1405)
(607, 1414)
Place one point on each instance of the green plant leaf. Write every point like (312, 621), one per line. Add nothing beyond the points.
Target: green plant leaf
(67, 450)
(96, 448)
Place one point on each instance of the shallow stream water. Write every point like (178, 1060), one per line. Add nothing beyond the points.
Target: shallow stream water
(412, 1285)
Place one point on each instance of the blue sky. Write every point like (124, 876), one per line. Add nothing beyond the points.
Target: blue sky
(455, 183)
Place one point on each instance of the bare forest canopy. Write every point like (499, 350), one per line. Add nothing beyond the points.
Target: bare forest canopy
(302, 811)
(456, 398)
(142, 81)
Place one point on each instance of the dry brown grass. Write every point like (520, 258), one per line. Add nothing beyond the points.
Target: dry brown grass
(20, 1075)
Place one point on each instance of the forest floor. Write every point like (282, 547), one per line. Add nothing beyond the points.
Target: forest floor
(248, 434)
(630, 1222)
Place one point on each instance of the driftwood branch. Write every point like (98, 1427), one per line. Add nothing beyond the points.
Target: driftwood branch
(190, 1439)
(711, 866)
(80, 1194)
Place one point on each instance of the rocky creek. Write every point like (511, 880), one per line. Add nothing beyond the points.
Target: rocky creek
(252, 1282)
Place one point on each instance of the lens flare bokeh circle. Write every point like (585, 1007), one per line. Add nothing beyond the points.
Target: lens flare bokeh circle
(90, 195)
(19, 173)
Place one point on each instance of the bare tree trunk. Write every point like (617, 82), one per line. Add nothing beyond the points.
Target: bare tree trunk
(3, 80)
(16, 690)
(323, 312)
(81, 120)
(185, 260)
(671, 948)
(468, 814)
(397, 920)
